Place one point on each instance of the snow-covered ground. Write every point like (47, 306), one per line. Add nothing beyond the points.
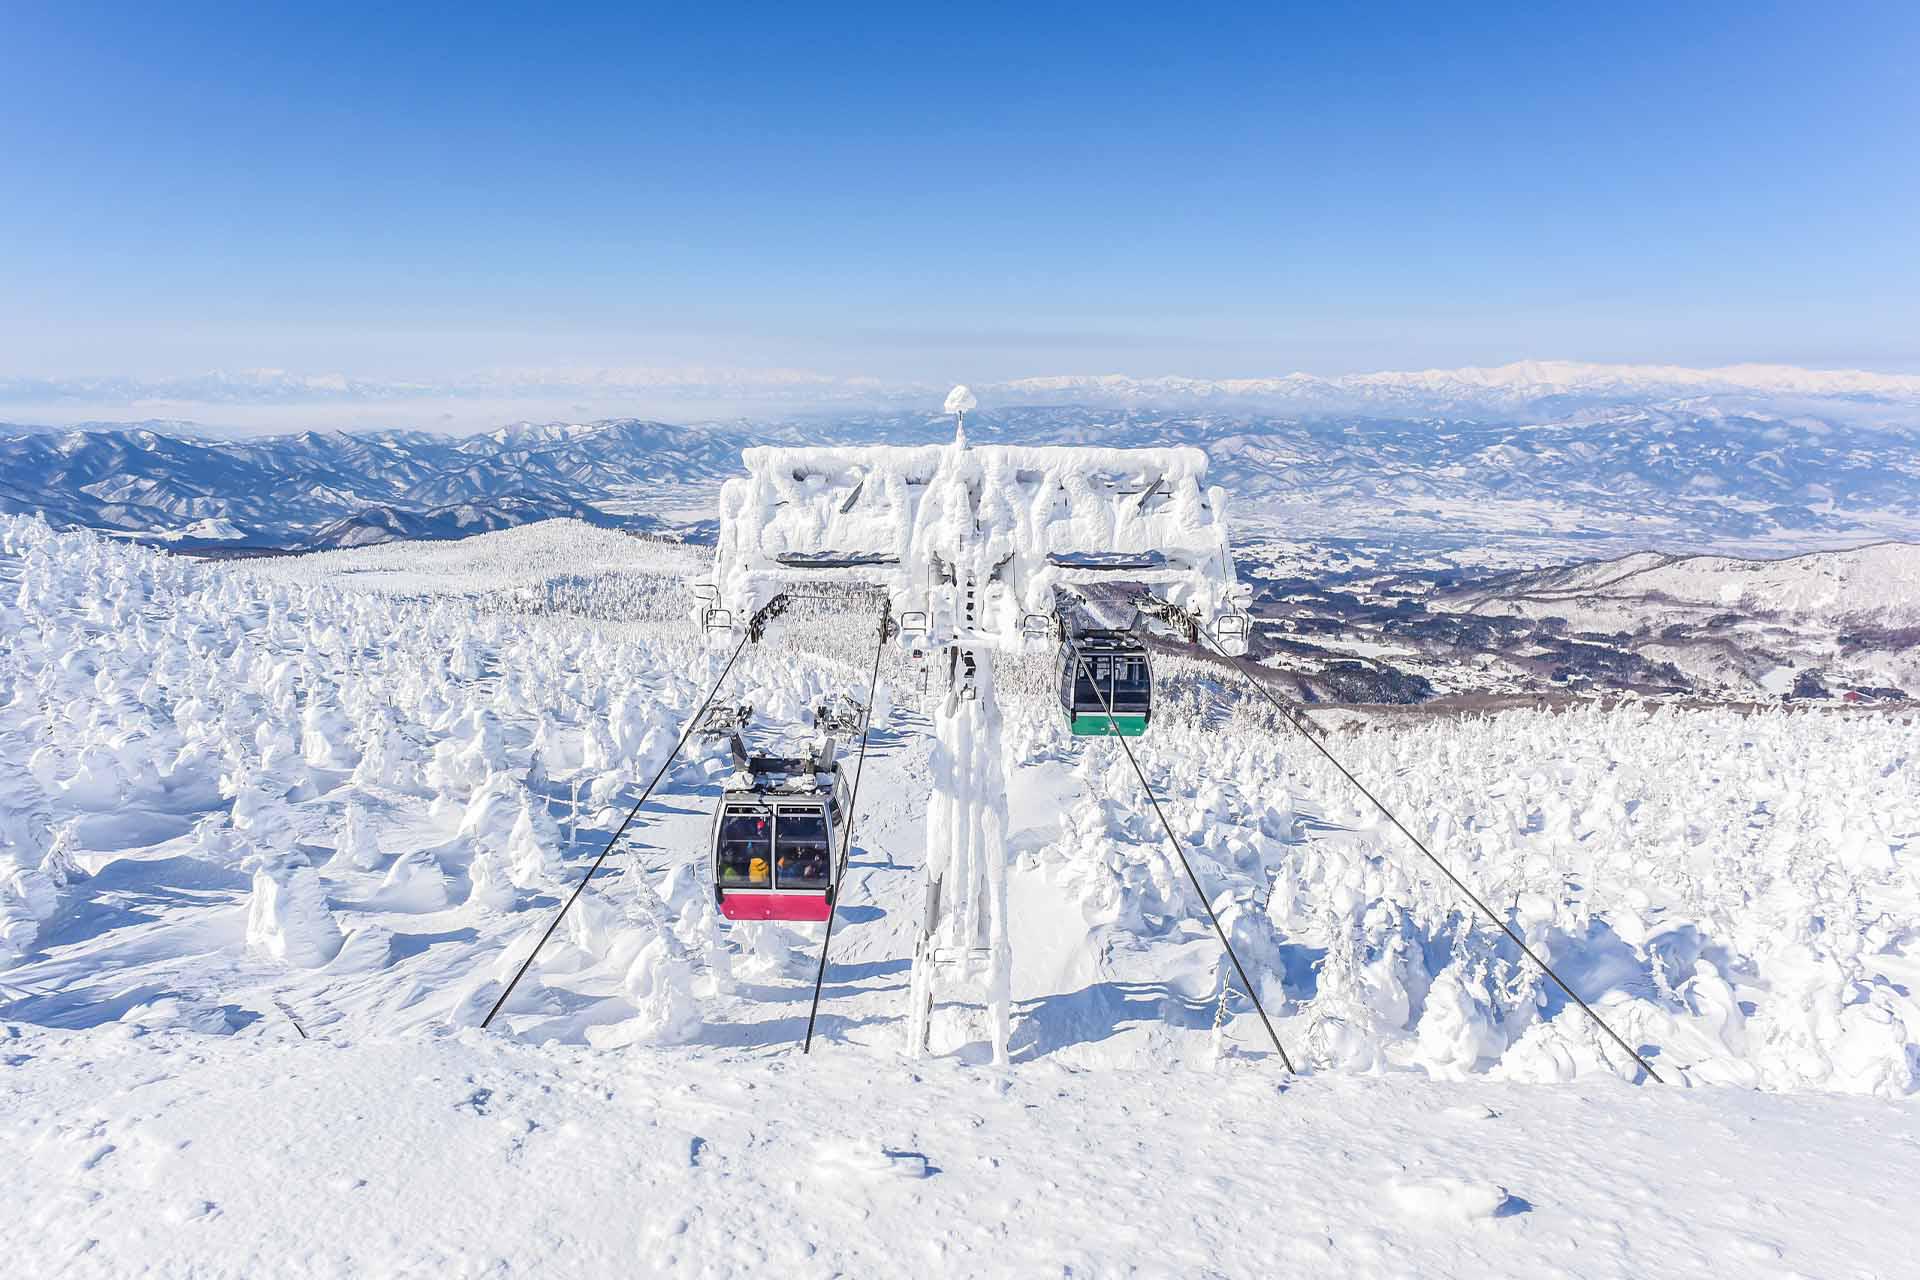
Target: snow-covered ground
(1876, 585)
(173, 1153)
(276, 831)
(1849, 617)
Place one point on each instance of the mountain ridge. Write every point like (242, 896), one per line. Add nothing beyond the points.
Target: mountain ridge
(1517, 386)
(1689, 478)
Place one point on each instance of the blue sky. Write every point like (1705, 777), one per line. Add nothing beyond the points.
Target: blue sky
(910, 192)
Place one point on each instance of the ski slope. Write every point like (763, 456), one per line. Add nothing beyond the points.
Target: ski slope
(277, 831)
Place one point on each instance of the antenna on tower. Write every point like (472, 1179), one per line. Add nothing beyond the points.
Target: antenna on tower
(959, 400)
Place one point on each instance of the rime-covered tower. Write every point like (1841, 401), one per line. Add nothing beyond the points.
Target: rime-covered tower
(971, 546)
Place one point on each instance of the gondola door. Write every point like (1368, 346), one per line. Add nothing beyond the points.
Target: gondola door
(742, 858)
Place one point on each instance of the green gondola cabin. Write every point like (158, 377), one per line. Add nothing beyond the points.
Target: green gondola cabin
(1110, 675)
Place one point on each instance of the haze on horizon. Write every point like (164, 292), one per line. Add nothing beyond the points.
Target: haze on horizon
(867, 194)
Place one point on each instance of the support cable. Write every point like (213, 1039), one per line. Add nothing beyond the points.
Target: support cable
(1180, 852)
(1292, 715)
(846, 835)
(753, 633)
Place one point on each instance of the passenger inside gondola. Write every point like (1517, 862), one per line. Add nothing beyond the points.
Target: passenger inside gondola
(746, 850)
(802, 857)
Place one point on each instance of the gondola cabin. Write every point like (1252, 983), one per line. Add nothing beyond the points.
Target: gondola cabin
(773, 841)
(1111, 672)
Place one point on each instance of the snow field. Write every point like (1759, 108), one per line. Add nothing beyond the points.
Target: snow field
(173, 1153)
(239, 798)
(1731, 891)
(369, 765)
(554, 567)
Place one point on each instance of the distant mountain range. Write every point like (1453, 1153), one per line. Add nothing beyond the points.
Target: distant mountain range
(1834, 624)
(1681, 476)
(327, 489)
(371, 525)
(1525, 387)
(1875, 586)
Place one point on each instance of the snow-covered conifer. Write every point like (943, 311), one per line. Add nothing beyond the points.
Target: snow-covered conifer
(287, 915)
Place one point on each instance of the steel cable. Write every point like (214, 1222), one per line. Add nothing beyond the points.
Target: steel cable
(1106, 706)
(1291, 715)
(660, 773)
(846, 837)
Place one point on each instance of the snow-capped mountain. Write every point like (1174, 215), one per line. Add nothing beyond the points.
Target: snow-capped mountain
(1831, 623)
(1872, 586)
(372, 525)
(333, 489)
(1354, 629)
(1527, 386)
(1522, 387)
(1683, 478)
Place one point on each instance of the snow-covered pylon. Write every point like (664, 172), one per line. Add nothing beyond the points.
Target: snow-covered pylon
(963, 941)
(972, 547)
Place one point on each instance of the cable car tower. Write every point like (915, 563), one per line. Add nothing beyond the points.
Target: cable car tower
(976, 549)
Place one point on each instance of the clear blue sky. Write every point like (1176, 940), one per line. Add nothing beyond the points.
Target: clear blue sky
(419, 191)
